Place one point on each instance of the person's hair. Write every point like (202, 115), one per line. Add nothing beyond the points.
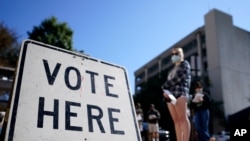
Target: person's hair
(180, 51)
(198, 85)
(152, 106)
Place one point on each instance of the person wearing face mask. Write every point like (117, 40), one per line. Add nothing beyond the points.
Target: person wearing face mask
(200, 105)
(178, 84)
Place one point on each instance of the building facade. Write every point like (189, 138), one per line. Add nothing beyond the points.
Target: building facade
(219, 52)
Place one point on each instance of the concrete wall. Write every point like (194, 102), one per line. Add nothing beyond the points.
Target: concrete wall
(213, 57)
(228, 50)
(236, 75)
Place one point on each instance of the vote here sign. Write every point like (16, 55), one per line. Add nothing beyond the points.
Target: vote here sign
(60, 95)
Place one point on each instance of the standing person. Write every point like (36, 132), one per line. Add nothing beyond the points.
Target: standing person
(200, 105)
(139, 115)
(178, 83)
(153, 127)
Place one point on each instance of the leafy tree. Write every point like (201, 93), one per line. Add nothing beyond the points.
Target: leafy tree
(50, 31)
(8, 46)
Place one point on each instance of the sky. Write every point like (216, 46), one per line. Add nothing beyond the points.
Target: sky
(128, 33)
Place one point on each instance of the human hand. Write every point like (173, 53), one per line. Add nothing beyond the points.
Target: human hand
(152, 117)
(198, 98)
(201, 99)
(166, 97)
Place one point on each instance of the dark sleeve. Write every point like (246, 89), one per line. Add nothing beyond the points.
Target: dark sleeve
(158, 115)
(192, 104)
(180, 76)
(206, 100)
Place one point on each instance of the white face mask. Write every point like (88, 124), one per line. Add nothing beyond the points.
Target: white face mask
(175, 58)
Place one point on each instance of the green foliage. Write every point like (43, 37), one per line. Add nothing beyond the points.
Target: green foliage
(50, 31)
(8, 46)
(151, 92)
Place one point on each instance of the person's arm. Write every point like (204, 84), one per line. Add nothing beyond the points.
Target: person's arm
(158, 115)
(142, 113)
(181, 75)
(206, 100)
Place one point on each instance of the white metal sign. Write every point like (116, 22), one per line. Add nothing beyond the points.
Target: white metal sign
(63, 96)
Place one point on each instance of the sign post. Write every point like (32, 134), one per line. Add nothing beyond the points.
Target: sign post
(60, 95)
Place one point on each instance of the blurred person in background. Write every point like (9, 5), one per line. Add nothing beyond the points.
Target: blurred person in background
(153, 126)
(200, 105)
(139, 116)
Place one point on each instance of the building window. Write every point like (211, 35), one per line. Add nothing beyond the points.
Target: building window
(205, 66)
(140, 77)
(166, 60)
(204, 52)
(195, 65)
(188, 59)
(203, 39)
(138, 88)
(153, 68)
(189, 46)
